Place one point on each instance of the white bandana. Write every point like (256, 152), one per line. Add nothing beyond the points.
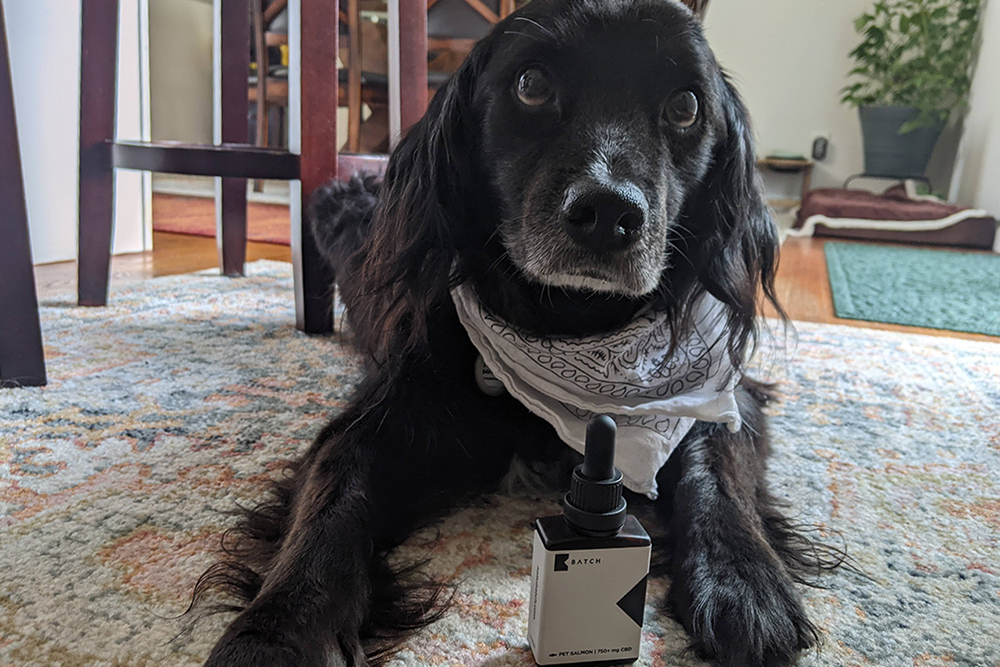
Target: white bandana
(654, 399)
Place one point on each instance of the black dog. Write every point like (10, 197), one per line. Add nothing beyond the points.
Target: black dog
(588, 160)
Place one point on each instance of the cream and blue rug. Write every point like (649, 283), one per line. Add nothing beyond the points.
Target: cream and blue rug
(176, 403)
(939, 289)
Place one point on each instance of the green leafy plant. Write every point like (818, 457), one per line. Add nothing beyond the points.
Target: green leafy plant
(915, 53)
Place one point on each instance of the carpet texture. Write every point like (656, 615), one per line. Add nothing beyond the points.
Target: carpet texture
(939, 289)
(266, 223)
(178, 401)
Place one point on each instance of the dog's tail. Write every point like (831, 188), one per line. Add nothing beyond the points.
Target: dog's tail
(340, 215)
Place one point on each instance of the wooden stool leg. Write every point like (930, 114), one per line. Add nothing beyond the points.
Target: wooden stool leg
(98, 53)
(354, 76)
(231, 235)
(22, 360)
(314, 280)
(231, 229)
(412, 62)
(263, 68)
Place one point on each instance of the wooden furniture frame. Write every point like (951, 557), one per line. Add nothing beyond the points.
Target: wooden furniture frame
(801, 166)
(22, 361)
(316, 162)
(267, 91)
(506, 9)
(699, 7)
(357, 93)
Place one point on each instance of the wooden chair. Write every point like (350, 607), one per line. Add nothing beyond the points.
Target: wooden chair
(266, 90)
(313, 159)
(699, 7)
(362, 83)
(453, 26)
(22, 361)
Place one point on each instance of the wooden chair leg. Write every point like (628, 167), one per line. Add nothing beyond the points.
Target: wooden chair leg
(231, 235)
(231, 228)
(375, 131)
(263, 68)
(314, 280)
(98, 51)
(412, 62)
(354, 76)
(319, 159)
(22, 359)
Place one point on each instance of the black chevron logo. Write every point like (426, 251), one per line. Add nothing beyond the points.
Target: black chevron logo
(633, 602)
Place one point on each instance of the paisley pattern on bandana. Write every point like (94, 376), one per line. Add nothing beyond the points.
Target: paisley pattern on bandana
(630, 363)
(654, 393)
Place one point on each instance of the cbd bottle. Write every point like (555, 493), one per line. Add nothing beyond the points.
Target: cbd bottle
(589, 566)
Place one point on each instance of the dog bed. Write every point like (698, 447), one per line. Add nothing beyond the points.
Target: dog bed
(897, 215)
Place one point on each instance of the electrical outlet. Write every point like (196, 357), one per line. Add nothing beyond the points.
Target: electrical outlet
(820, 145)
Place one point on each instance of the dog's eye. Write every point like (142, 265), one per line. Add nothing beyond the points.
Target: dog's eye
(681, 110)
(534, 87)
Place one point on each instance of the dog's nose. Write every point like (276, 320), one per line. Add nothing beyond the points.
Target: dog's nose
(604, 219)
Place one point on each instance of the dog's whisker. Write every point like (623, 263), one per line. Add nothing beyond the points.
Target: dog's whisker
(676, 248)
(536, 24)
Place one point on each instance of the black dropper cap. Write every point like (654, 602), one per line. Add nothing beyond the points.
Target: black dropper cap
(594, 504)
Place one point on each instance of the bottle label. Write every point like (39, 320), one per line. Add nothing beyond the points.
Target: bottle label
(586, 605)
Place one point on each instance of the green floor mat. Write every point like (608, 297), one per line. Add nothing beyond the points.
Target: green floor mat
(939, 289)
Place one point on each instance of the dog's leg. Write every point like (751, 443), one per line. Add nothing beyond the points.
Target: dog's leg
(732, 575)
(406, 451)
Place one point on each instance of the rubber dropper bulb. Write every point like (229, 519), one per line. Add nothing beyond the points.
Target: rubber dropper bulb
(594, 504)
(599, 454)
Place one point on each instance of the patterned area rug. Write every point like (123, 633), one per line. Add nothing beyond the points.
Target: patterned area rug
(177, 402)
(939, 289)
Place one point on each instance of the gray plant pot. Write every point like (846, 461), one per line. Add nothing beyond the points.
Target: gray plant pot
(891, 154)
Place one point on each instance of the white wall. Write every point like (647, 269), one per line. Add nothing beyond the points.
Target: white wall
(180, 45)
(44, 41)
(789, 59)
(977, 177)
(130, 221)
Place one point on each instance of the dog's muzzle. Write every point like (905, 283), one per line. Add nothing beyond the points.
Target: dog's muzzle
(604, 218)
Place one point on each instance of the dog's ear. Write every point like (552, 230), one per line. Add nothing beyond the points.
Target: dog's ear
(423, 217)
(736, 242)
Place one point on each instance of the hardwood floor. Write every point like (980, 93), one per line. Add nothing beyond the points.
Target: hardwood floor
(171, 254)
(803, 289)
(267, 223)
(802, 284)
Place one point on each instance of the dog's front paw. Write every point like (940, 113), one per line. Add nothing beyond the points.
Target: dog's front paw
(255, 641)
(741, 613)
(250, 651)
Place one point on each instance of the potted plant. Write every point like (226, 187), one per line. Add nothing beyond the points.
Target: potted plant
(912, 68)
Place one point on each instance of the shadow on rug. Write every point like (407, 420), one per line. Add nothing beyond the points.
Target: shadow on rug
(178, 401)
